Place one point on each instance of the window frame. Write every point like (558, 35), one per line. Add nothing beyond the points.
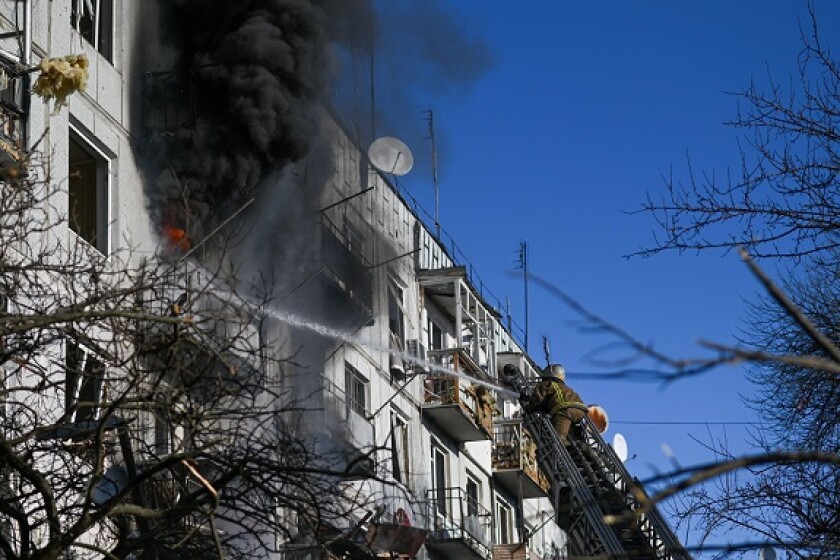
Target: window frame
(504, 522)
(473, 501)
(103, 162)
(437, 336)
(356, 390)
(97, 27)
(396, 312)
(440, 476)
(75, 382)
(400, 447)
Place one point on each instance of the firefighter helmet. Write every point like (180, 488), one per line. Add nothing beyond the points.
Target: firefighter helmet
(556, 371)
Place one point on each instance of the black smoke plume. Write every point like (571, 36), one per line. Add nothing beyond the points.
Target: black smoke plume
(230, 93)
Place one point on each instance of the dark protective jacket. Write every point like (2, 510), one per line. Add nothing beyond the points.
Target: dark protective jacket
(553, 396)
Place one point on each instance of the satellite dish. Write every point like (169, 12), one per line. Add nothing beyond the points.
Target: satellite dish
(620, 446)
(391, 155)
(767, 553)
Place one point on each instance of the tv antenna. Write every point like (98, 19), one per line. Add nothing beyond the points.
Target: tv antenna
(391, 155)
(522, 264)
(547, 350)
(430, 118)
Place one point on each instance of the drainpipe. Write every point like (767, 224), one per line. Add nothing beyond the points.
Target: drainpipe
(27, 33)
(26, 62)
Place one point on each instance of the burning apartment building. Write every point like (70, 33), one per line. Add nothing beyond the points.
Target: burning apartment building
(228, 333)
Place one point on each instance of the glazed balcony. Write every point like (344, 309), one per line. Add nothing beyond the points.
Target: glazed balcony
(515, 466)
(462, 410)
(475, 323)
(459, 527)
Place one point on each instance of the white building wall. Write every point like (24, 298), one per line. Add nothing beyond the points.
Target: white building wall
(396, 245)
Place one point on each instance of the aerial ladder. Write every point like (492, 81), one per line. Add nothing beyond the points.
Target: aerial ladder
(595, 499)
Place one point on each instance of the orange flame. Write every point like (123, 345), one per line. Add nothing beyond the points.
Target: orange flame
(177, 238)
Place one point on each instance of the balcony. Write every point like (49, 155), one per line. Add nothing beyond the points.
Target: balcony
(460, 527)
(475, 324)
(462, 410)
(515, 466)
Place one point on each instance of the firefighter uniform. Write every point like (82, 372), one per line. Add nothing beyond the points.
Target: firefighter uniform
(564, 406)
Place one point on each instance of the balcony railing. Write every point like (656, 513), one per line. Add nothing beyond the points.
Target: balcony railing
(460, 526)
(475, 403)
(515, 452)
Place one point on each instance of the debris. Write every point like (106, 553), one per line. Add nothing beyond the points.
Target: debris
(61, 77)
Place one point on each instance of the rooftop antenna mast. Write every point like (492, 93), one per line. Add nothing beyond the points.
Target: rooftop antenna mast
(372, 74)
(523, 266)
(430, 119)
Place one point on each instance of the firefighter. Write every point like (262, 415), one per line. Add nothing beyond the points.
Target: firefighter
(553, 397)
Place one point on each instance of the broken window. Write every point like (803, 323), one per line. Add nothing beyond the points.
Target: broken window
(85, 375)
(396, 315)
(88, 193)
(355, 387)
(94, 21)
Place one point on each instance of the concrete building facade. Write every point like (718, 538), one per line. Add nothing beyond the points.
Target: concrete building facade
(410, 384)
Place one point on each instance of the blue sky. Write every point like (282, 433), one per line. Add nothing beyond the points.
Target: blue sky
(585, 107)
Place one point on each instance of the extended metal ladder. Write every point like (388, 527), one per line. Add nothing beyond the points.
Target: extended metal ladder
(589, 482)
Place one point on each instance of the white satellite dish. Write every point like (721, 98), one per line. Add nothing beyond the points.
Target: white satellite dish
(620, 446)
(767, 553)
(391, 155)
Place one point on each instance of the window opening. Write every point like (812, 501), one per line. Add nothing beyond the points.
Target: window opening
(88, 194)
(84, 378)
(399, 448)
(355, 388)
(435, 336)
(439, 479)
(504, 523)
(473, 496)
(94, 21)
(396, 316)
